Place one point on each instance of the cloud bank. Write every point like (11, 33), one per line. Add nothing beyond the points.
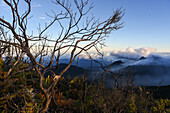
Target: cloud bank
(128, 53)
(86, 56)
(131, 53)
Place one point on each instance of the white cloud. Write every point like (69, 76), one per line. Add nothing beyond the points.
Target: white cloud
(42, 17)
(107, 54)
(36, 5)
(145, 51)
(86, 56)
(132, 53)
(128, 53)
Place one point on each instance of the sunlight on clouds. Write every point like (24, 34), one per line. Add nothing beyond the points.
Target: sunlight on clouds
(133, 53)
(128, 53)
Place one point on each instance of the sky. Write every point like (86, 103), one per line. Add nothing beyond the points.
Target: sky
(146, 22)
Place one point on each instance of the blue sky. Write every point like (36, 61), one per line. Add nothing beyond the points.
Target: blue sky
(146, 22)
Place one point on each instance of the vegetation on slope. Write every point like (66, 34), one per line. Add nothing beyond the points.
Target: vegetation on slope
(21, 93)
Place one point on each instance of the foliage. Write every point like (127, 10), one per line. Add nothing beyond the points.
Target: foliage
(76, 33)
(23, 86)
(21, 93)
(18, 90)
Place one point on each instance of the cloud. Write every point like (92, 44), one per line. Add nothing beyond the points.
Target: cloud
(145, 51)
(154, 60)
(36, 5)
(86, 56)
(42, 17)
(131, 53)
(107, 54)
(128, 53)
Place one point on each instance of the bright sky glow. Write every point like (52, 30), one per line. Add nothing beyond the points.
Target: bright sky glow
(146, 22)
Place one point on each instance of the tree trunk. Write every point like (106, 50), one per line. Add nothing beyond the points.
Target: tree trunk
(47, 103)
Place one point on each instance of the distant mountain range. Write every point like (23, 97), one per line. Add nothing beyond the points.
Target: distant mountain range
(146, 71)
(72, 72)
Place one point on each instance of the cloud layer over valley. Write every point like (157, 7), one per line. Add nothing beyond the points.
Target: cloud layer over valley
(131, 53)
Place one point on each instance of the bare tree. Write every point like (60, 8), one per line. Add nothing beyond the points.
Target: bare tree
(80, 35)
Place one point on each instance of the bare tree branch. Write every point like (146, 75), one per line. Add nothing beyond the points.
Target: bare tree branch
(74, 27)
